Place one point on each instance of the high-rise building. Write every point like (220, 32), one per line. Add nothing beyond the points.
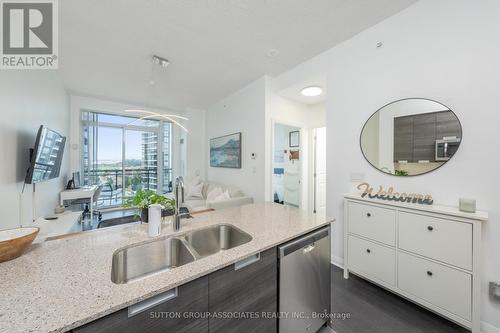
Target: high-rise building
(150, 160)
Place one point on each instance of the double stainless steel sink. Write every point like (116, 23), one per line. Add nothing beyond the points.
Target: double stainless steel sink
(136, 261)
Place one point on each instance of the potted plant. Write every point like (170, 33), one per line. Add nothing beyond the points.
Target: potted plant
(143, 199)
(401, 173)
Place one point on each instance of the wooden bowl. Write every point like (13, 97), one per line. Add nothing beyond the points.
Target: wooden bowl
(13, 242)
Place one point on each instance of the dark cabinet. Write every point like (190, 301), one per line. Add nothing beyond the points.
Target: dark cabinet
(245, 288)
(241, 291)
(415, 136)
(167, 312)
(424, 137)
(403, 139)
(447, 124)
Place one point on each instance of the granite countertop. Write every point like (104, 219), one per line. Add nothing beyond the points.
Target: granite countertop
(62, 284)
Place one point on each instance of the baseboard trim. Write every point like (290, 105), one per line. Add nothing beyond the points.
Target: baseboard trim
(488, 328)
(338, 261)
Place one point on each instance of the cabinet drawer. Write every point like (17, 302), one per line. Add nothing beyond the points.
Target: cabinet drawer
(443, 240)
(191, 297)
(375, 261)
(251, 288)
(373, 222)
(445, 287)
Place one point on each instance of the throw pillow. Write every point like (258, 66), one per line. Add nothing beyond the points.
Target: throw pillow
(214, 193)
(195, 191)
(223, 197)
(196, 180)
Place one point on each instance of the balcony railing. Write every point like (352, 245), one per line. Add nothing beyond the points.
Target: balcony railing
(123, 183)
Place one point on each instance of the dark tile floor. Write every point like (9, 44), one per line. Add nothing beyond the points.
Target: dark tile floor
(375, 310)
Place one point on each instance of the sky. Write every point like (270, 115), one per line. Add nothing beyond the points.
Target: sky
(110, 144)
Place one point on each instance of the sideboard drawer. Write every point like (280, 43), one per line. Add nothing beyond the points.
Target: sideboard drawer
(447, 288)
(375, 261)
(440, 239)
(373, 222)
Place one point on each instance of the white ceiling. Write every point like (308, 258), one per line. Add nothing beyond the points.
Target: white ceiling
(215, 46)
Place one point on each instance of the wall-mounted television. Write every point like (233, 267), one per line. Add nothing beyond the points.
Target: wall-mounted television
(46, 156)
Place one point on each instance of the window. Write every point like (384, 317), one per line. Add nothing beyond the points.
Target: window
(125, 154)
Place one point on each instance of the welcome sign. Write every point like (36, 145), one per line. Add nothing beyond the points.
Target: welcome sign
(391, 195)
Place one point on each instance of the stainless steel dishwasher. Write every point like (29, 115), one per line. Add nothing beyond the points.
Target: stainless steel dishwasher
(304, 277)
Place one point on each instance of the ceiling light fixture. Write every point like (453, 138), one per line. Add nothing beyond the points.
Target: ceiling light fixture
(312, 91)
(168, 117)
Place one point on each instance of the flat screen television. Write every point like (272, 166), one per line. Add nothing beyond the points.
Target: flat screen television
(46, 156)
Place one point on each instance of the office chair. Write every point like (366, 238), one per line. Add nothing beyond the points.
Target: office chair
(95, 198)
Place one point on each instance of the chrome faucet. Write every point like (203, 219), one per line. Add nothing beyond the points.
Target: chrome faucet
(179, 185)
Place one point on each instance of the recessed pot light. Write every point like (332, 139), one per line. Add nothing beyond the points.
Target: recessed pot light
(312, 91)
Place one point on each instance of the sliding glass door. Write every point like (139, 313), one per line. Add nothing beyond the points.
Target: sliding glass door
(141, 161)
(124, 155)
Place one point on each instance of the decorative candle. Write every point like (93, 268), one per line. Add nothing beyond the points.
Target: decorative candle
(467, 205)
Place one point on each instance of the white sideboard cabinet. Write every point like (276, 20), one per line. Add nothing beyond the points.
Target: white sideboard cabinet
(428, 254)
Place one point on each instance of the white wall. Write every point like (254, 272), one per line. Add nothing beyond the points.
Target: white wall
(243, 111)
(370, 140)
(196, 143)
(445, 50)
(29, 99)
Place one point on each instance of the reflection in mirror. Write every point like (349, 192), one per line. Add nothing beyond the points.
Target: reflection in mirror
(411, 137)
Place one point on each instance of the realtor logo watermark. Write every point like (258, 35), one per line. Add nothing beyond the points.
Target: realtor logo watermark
(29, 37)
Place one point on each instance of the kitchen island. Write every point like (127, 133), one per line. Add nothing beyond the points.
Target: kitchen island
(63, 284)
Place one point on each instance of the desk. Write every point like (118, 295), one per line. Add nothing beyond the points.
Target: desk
(86, 192)
(66, 223)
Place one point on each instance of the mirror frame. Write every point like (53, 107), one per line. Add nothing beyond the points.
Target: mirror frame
(400, 100)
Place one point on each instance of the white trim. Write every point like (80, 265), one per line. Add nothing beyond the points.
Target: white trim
(338, 261)
(488, 328)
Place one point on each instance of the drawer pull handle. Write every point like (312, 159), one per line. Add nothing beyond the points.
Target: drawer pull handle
(368, 214)
(368, 250)
(152, 302)
(429, 273)
(430, 228)
(246, 262)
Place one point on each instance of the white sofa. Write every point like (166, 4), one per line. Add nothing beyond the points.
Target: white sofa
(237, 198)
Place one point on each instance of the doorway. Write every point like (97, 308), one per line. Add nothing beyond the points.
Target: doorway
(287, 165)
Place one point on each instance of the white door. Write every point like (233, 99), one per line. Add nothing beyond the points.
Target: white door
(320, 170)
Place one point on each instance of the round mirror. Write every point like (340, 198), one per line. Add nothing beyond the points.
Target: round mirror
(411, 137)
